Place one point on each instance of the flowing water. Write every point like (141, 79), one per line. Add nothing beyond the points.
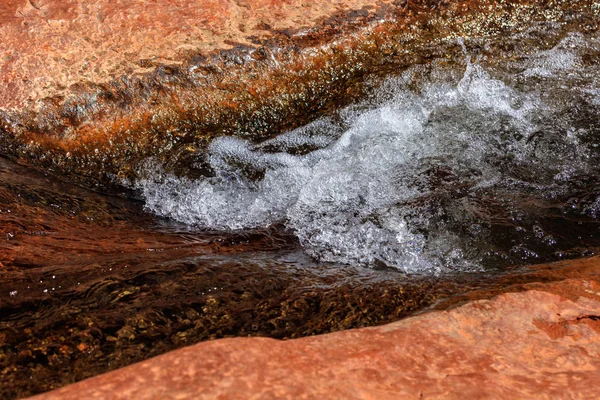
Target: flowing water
(439, 172)
(449, 177)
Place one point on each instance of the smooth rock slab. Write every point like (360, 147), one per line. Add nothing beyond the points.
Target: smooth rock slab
(48, 45)
(532, 344)
(91, 90)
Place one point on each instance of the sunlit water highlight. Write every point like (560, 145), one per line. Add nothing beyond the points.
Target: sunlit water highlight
(423, 176)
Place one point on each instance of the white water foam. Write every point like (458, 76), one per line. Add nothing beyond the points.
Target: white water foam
(368, 192)
(563, 57)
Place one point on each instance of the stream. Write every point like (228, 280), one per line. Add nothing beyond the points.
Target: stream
(448, 178)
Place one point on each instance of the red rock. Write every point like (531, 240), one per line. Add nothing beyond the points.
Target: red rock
(56, 57)
(48, 45)
(540, 343)
(91, 90)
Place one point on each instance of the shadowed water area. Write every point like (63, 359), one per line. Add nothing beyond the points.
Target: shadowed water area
(448, 179)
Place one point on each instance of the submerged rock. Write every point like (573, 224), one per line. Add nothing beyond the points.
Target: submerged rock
(543, 342)
(90, 283)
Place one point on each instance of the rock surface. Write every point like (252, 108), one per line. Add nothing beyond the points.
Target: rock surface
(91, 90)
(49, 45)
(543, 342)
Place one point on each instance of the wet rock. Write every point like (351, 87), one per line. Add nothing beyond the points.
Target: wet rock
(91, 90)
(126, 332)
(543, 342)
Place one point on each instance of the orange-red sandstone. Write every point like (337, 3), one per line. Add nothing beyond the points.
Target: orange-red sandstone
(48, 45)
(90, 90)
(540, 343)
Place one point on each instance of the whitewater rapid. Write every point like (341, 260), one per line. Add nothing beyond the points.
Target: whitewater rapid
(398, 179)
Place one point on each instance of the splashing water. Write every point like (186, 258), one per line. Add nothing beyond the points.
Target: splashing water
(400, 180)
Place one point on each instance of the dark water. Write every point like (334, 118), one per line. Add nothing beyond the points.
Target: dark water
(447, 182)
(90, 283)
